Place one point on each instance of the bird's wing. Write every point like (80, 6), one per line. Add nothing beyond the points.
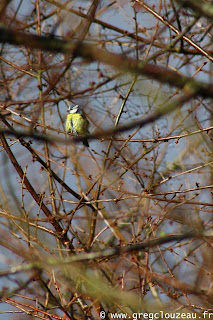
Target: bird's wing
(86, 122)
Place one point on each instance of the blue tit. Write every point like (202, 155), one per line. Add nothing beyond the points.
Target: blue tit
(77, 123)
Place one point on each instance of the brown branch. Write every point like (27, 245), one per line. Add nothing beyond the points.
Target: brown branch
(63, 237)
(120, 250)
(119, 61)
(163, 20)
(99, 135)
(126, 33)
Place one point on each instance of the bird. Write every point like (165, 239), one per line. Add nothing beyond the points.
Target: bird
(77, 123)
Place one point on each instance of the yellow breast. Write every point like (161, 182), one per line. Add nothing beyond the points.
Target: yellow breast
(77, 124)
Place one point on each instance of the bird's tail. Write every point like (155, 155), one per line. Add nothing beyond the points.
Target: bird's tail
(86, 143)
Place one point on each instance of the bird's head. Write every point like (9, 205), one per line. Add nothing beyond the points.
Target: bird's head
(73, 109)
